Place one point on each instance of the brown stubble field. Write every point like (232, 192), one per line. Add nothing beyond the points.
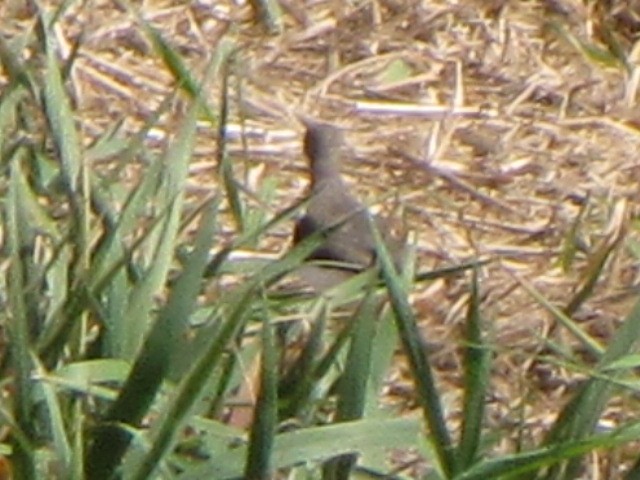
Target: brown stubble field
(499, 130)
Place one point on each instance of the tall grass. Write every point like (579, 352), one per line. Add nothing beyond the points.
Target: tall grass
(116, 366)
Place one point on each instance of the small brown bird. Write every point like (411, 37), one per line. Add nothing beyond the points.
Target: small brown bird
(349, 248)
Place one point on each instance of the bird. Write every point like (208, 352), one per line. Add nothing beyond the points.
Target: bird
(349, 247)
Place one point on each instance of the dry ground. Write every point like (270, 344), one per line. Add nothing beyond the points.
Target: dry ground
(485, 123)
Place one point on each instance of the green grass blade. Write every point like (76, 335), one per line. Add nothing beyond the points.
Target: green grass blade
(353, 383)
(60, 115)
(217, 264)
(316, 444)
(520, 465)
(352, 386)
(578, 332)
(225, 168)
(597, 262)
(17, 72)
(420, 368)
(195, 380)
(579, 417)
(61, 119)
(18, 328)
(171, 195)
(590, 51)
(476, 381)
(259, 456)
(299, 380)
(19, 445)
(56, 425)
(385, 344)
(153, 362)
(176, 65)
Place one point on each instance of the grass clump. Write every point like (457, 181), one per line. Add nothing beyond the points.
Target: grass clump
(129, 352)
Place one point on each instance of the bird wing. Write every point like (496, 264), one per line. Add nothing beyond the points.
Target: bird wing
(345, 245)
